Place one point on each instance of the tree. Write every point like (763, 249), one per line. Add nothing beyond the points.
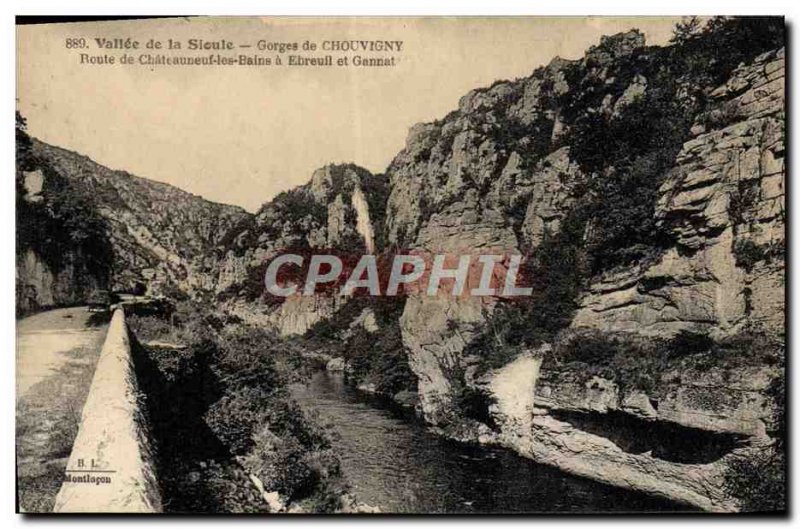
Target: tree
(25, 159)
(685, 29)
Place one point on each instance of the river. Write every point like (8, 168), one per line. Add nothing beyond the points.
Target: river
(393, 462)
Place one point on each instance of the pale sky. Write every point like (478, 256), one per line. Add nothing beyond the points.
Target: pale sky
(240, 135)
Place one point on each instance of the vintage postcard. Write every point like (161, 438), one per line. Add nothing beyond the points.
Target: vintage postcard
(399, 265)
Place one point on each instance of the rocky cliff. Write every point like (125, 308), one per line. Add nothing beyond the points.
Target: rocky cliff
(40, 284)
(62, 249)
(340, 209)
(158, 236)
(645, 187)
(649, 196)
(723, 201)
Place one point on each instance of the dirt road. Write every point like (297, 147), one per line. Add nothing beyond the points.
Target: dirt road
(56, 355)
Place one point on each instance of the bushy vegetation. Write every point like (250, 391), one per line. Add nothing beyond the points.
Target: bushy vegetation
(63, 226)
(291, 213)
(149, 328)
(620, 360)
(377, 357)
(627, 155)
(709, 52)
(718, 118)
(376, 192)
(633, 153)
(239, 237)
(222, 413)
(468, 401)
(637, 363)
(381, 358)
(296, 204)
(747, 253)
(555, 271)
(759, 482)
(286, 223)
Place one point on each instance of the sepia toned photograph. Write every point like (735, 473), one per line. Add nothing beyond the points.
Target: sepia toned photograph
(401, 265)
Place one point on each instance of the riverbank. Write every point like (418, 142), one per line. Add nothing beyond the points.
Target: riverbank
(589, 438)
(232, 391)
(395, 462)
(228, 436)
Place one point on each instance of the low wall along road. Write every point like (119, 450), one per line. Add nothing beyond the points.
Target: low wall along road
(110, 468)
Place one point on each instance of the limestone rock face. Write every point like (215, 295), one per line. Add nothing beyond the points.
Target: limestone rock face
(560, 444)
(159, 234)
(613, 47)
(39, 285)
(461, 184)
(494, 150)
(719, 400)
(366, 320)
(475, 183)
(336, 364)
(725, 194)
(490, 175)
(436, 328)
(513, 388)
(550, 197)
(334, 211)
(500, 172)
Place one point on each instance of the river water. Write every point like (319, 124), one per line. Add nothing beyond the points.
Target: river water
(395, 463)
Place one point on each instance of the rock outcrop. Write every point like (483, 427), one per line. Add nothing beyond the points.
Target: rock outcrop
(340, 209)
(40, 284)
(725, 197)
(505, 170)
(578, 144)
(160, 235)
(86, 227)
(62, 248)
